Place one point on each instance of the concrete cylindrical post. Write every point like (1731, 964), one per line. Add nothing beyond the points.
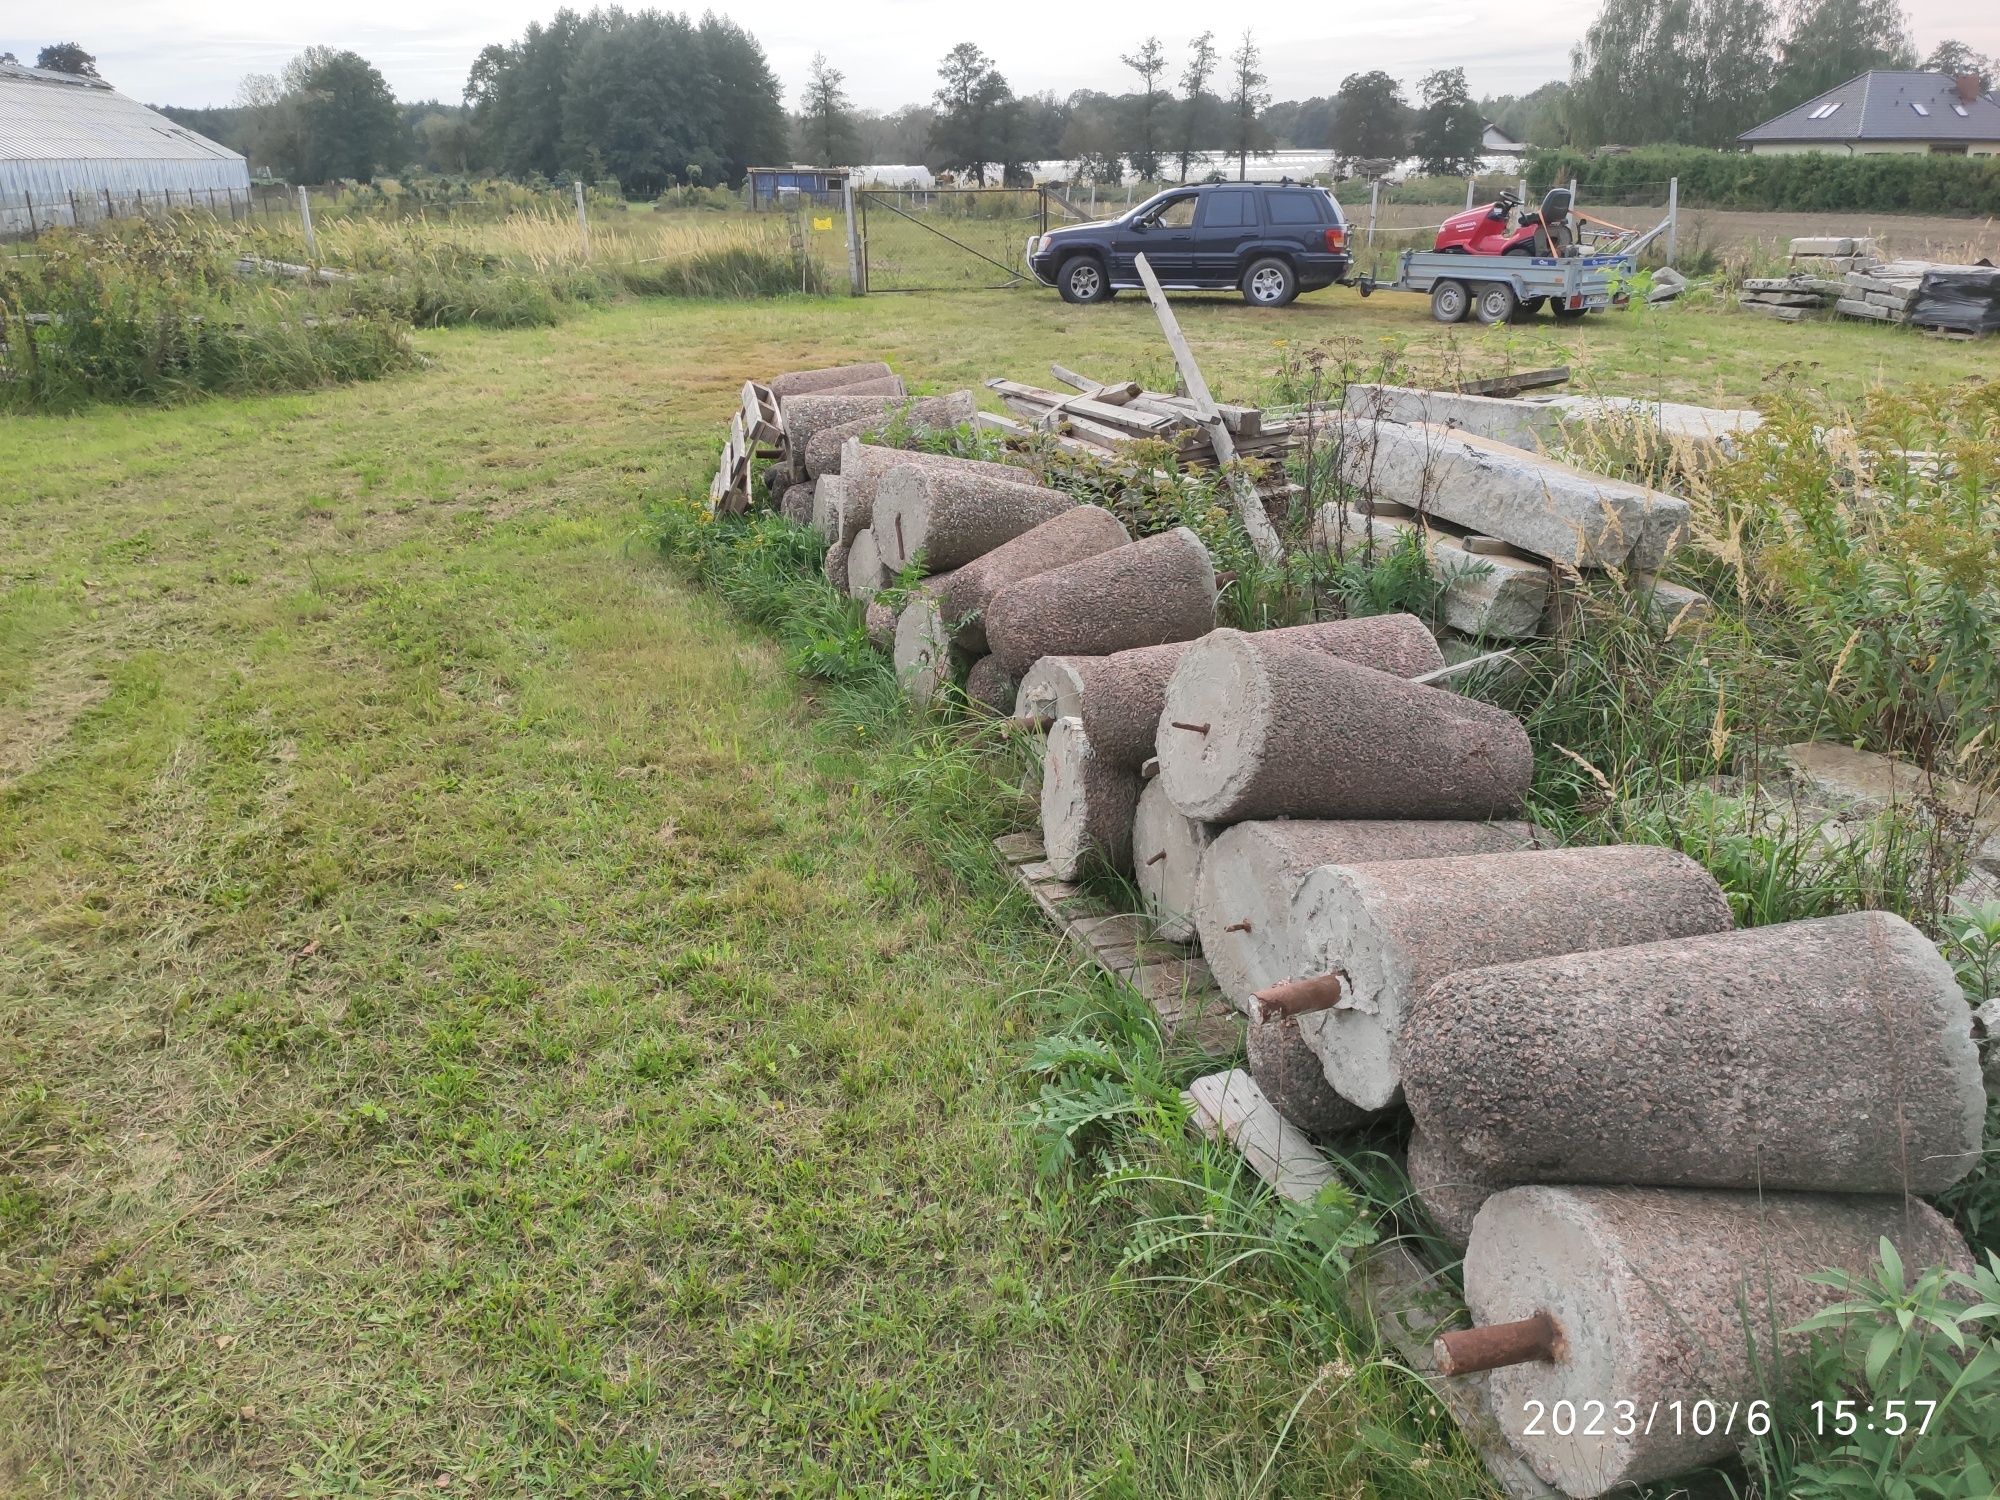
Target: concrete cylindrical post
(1392, 930)
(832, 377)
(925, 658)
(835, 566)
(1156, 590)
(988, 685)
(1288, 1072)
(825, 448)
(1120, 696)
(1166, 858)
(1255, 729)
(829, 497)
(949, 519)
(1449, 1189)
(1049, 690)
(805, 415)
(865, 465)
(865, 573)
(1664, 1299)
(1070, 536)
(880, 622)
(796, 504)
(1243, 892)
(1833, 1055)
(1087, 805)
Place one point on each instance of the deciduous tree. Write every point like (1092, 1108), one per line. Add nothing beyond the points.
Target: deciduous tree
(1370, 117)
(826, 114)
(1149, 62)
(66, 57)
(1196, 102)
(1448, 126)
(972, 102)
(1247, 98)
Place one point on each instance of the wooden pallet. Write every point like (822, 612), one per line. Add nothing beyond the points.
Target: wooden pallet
(1175, 983)
(1389, 1289)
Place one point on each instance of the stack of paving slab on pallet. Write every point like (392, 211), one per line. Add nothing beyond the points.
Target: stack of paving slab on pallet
(1847, 277)
(1633, 1118)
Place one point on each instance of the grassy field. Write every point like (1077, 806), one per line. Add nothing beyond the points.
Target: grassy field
(466, 1027)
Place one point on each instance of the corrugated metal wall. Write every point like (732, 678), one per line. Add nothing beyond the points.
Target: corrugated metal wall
(36, 194)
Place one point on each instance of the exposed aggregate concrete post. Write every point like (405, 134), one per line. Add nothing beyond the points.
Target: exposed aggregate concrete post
(1257, 729)
(835, 566)
(1832, 1055)
(1050, 690)
(988, 685)
(880, 622)
(865, 573)
(1660, 1297)
(796, 504)
(1087, 806)
(1120, 696)
(832, 377)
(1392, 930)
(824, 449)
(1159, 589)
(1076, 533)
(1248, 875)
(809, 414)
(1166, 858)
(924, 655)
(1446, 1186)
(949, 519)
(865, 465)
(829, 497)
(1288, 1072)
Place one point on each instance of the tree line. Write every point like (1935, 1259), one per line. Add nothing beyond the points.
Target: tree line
(655, 99)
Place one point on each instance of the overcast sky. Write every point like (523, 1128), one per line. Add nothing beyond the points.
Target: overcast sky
(192, 52)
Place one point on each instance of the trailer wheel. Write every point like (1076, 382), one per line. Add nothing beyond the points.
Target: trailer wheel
(1529, 307)
(1495, 302)
(1567, 314)
(1449, 301)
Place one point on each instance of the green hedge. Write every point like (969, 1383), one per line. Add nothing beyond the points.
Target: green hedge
(1912, 184)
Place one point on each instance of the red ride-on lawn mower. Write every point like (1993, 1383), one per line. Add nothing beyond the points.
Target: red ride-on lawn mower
(1486, 230)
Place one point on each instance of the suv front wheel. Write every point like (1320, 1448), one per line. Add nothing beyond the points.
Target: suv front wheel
(1269, 283)
(1082, 279)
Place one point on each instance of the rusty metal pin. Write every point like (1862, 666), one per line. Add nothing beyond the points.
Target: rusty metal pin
(1296, 997)
(1242, 926)
(1467, 1351)
(1196, 728)
(900, 550)
(1157, 857)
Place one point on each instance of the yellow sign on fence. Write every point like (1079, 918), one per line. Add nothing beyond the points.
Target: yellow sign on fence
(826, 223)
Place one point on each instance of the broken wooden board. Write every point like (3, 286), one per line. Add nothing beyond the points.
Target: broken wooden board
(1229, 1106)
(1175, 983)
(1513, 385)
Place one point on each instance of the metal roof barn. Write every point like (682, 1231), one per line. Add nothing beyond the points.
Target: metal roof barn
(67, 142)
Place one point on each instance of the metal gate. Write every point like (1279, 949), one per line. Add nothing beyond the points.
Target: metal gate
(948, 239)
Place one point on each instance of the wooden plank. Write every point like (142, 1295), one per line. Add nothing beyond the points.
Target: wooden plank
(1249, 504)
(1145, 424)
(1513, 385)
(1410, 1306)
(1229, 1106)
(1019, 848)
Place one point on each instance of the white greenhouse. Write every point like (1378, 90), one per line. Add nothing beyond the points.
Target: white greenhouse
(75, 148)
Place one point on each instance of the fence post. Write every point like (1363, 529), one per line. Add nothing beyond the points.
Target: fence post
(854, 287)
(1471, 181)
(109, 213)
(582, 223)
(1673, 215)
(1524, 187)
(306, 221)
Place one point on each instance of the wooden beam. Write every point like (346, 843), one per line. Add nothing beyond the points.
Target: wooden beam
(1513, 385)
(1249, 504)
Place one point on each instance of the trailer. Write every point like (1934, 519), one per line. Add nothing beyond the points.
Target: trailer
(1495, 288)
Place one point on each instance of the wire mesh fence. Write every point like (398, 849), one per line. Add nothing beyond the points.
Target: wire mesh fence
(950, 239)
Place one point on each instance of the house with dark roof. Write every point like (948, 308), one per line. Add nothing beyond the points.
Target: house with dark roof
(1884, 111)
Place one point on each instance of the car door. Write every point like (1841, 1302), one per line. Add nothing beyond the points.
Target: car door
(1228, 223)
(1168, 239)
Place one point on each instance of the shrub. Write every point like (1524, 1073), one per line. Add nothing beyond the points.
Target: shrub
(1808, 182)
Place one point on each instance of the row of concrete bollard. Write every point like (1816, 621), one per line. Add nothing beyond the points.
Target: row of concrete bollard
(1645, 1129)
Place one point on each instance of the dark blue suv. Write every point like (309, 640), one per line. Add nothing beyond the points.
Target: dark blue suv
(1269, 240)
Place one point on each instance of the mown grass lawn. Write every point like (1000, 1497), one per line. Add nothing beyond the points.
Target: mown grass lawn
(466, 1029)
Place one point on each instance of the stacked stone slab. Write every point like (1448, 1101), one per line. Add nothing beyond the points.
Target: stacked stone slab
(947, 519)
(1545, 508)
(1491, 591)
(1087, 805)
(1167, 847)
(1120, 696)
(1390, 931)
(1071, 536)
(1156, 590)
(1248, 875)
(1832, 1055)
(923, 414)
(1662, 1297)
(864, 466)
(1255, 729)
(832, 377)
